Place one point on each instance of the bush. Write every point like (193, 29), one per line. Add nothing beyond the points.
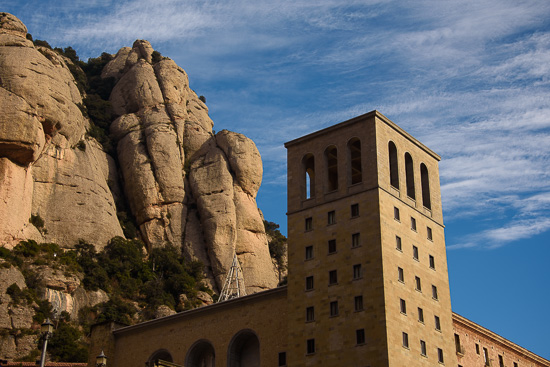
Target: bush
(65, 344)
(37, 221)
(277, 243)
(156, 57)
(42, 43)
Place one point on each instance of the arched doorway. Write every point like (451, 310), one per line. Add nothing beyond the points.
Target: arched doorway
(161, 354)
(201, 354)
(244, 350)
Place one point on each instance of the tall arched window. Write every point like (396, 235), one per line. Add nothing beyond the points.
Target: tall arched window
(201, 354)
(354, 147)
(331, 156)
(409, 175)
(244, 350)
(425, 181)
(309, 175)
(394, 168)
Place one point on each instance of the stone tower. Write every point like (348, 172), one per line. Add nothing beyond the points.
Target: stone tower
(368, 282)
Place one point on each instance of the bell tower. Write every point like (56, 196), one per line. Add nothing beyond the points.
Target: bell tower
(368, 282)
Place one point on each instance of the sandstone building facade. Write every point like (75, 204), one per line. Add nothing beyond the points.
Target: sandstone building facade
(367, 282)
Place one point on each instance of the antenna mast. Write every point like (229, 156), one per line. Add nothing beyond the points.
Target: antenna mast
(234, 282)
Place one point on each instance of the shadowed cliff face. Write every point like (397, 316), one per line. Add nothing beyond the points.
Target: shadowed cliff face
(184, 185)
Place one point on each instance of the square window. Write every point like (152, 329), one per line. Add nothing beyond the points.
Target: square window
(396, 214)
(432, 262)
(434, 292)
(355, 240)
(310, 314)
(309, 224)
(398, 243)
(437, 323)
(418, 284)
(357, 271)
(360, 336)
(415, 253)
(423, 348)
(354, 210)
(440, 355)
(310, 349)
(309, 252)
(429, 233)
(403, 306)
(309, 283)
(334, 308)
(331, 246)
(358, 303)
(331, 217)
(332, 277)
(282, 359)
(413, 224)
(420, 315)
(400, 275)
(405, 340)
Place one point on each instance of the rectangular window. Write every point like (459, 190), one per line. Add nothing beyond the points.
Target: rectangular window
(357, 271)
(437, 322)
(282, 359)
(358, 303)
(309, 283)
(310, 314)
(423, 348)
(309, 224)
(403, 306)
(331, 217)
(432, 262)
(332, 277)
(418, 284)
(500, 361)
(398, 243)
(396, 214)
(429, 231)
(440, 355)
(415, 253)
(486, 356)
(405, 340)
(458, 347)
(413, 224)
(515, 364)
(309, 252)
(331, 246)
(355, 240)
(434, 292)
(400, 275)
(360, 336)
(477, 348)
(334, 308)
(310, 349)
(354, 210)
(420, 315)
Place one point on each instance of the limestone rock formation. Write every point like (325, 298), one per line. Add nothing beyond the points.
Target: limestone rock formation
(184, 185)
(42, 172)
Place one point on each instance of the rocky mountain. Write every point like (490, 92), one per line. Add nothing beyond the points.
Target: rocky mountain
(183, 184)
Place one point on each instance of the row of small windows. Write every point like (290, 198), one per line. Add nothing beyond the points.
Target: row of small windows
(331, 160)
(417, 282)
(333, 277)
(409, 176)
(331, 217)
(331, 246)
(334, 309)
(399, 247)
(487, 361)
(397, 217)
(423, 349)
(359, 340)
(403, 310)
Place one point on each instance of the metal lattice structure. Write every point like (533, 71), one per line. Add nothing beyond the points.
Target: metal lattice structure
(233, 286)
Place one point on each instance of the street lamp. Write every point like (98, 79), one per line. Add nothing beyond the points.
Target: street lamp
(47, 330)
(101, 360)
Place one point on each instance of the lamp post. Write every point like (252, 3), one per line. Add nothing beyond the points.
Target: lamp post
(47, 329)
(101, 360)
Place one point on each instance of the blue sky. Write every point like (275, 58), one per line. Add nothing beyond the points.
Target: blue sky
(470, 79)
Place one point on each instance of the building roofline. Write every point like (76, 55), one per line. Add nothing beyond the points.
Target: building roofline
(354, 120)
(499, 339)
(210, 308)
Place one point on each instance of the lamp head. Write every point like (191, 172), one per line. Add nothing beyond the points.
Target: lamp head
(47, 326)
(101, 360)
